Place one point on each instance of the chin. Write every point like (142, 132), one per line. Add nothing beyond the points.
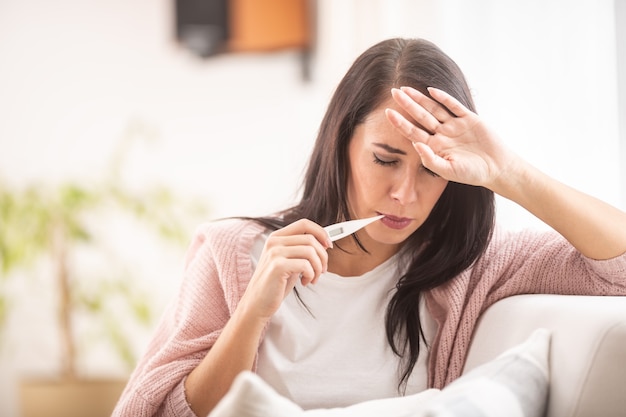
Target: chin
(389, 238)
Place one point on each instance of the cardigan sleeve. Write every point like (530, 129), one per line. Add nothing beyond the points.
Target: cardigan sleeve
(214, 275)
(544, 262)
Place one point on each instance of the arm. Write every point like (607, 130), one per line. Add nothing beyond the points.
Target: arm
(233, 352)
(187, 330)
(595, 228)
(209, 334)
(297, 251)
(457, 145)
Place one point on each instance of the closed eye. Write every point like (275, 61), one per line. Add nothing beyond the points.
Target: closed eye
(384, 162)
(390, 162)
(429, 172)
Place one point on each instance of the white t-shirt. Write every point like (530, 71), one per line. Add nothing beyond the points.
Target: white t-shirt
(337, 354)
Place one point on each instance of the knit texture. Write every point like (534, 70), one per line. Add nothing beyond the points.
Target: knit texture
(218, 268)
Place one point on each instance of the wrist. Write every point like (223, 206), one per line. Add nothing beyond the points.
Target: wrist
(245, 316)
(513, 178)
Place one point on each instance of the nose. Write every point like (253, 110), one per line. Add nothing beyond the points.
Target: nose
(404, 189)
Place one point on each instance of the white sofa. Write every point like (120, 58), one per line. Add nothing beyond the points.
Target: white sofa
(587, 353)
(570, 350)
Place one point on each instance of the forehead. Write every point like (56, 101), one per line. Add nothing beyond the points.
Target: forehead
(376, 127)
(378, 114)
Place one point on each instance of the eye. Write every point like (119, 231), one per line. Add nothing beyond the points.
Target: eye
(383, 161)
(429, 172)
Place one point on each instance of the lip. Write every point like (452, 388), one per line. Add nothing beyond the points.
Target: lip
(395, 222)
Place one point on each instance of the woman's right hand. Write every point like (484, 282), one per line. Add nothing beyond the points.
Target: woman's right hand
(297, 251)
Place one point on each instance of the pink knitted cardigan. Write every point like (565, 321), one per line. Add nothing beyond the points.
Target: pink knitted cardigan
(218, 268)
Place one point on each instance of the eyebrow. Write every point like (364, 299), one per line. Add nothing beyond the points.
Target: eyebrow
(390, 149)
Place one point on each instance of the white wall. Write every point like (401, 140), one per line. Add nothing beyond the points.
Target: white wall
(236, 130)
(75, 73)
(546, 79)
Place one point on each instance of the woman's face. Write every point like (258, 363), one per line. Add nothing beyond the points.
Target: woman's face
(387, 177)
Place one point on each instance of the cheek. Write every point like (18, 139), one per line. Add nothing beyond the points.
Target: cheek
(366, 182)
(364, 187)
(435, 190)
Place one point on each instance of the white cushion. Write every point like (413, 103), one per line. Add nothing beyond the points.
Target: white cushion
(250, 396)
(515, 384)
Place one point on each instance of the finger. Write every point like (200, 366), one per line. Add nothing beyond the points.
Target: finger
(305, 226)
(450, 102)
(297, 269)
(307, 275)
(431, 160)
(416, 110)
(308, 253)
(314, 255)
(288, 270)
(432, 106)
(406, 128)
(298, 246)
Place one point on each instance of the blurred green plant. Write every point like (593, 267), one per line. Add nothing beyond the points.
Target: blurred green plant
(45, 222)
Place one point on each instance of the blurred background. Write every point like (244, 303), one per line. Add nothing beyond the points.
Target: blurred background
(123, 124)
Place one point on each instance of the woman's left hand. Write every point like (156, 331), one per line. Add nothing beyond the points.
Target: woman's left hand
(451, 140)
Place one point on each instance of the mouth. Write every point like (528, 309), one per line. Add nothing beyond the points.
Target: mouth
(395, 222)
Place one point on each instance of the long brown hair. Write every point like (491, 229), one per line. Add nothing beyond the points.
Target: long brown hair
(459, 227)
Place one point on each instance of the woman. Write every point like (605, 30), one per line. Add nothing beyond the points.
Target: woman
(390, 310)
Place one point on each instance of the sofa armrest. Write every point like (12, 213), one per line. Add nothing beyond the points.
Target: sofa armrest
(588, 348)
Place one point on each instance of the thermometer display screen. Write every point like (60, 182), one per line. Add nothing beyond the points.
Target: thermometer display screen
(335, 232)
